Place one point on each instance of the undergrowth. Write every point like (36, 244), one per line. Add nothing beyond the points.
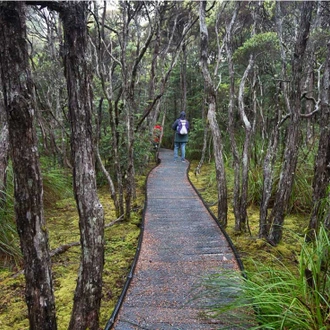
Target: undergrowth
(287, 285)
(250, 246)
(62, 223)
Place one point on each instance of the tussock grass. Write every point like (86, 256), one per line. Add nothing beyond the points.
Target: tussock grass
(287, 286)
(281, 298)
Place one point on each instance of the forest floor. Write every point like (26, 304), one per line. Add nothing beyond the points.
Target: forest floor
(252, 249)
(62, 222)
(121, 240)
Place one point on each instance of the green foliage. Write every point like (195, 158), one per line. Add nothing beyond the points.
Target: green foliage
(9, 242)
(142, 150)
(301, 196)
(263, 43)
(196, 135)
(269, 6)
(56, 184)
(314, 269)
(280, 298)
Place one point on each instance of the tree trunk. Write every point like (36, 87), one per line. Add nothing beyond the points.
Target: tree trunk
(4, 157)
(205, 135)
(183, 75)
(291, 150)
(268, 174)
(87, 297)
(211, 115)
(231, 120)
(17, 88)
(269, 161)
(322, 162)
(310, 76)
(105, 73)
(241, 222)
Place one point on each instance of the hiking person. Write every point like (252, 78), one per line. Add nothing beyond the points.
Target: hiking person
(181, 127)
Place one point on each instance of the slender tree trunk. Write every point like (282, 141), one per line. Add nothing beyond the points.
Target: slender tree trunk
(109, 179)
(322, 163)
(115, 144)
(4, 157)
(87, 297)
(241, 222)
(183, 76)
(269, 162)
(154, 79)
(17, 88)
(205, 134)
(105, 74)
(128, 101)
(291, 151)
(211, 115)
(310, 76)
(231, 118)
(268, 174)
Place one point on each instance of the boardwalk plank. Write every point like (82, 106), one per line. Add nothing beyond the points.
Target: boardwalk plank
(181, 245)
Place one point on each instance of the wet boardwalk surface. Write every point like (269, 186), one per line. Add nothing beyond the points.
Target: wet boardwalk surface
(181, 245)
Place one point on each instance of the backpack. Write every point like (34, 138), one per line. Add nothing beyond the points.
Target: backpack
(182, 128)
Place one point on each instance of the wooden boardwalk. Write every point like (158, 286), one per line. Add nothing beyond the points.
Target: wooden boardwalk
(181, 244)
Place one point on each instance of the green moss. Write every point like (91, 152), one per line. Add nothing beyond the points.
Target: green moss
(13, 310)
(250, 247)
(62, 223)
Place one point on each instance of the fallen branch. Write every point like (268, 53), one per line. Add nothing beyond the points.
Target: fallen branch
(63, 248)
(66, 247)
(114, 221)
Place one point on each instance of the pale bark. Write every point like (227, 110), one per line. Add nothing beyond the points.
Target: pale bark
(211, 115)
(108, 177)
(269, 161)
(205, 135)
(241, 221)
(103, 55)
(4, 158)
(231, 120)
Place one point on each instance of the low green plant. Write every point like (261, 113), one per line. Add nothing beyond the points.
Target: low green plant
(280, 298)
(56, 184)
(9, 242)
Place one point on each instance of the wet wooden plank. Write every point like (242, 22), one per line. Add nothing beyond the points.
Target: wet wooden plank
(182, 244)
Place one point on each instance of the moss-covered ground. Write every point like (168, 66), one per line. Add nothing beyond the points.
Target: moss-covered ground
(249, 247)
(62, 222)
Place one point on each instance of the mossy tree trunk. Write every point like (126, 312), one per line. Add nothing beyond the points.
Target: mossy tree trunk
(291, 151)
(18, 92)
(322, 163)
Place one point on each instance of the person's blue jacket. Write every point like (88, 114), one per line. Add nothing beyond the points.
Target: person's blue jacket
(178, 137)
